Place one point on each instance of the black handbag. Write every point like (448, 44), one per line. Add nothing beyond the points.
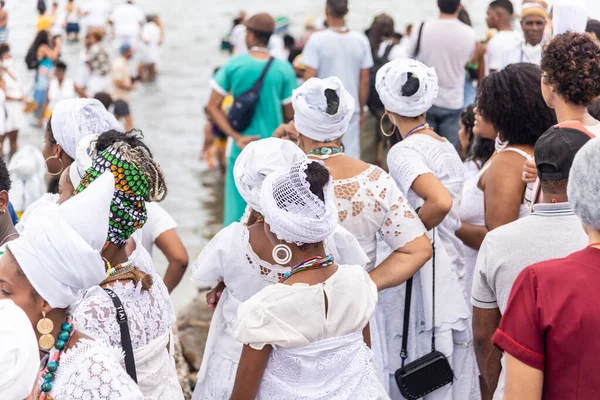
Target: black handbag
(125, 336)
(244, 105)
(430, 372)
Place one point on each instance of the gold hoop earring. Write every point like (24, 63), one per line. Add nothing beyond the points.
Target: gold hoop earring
(383, 132)
(62, 166)
(45, 326)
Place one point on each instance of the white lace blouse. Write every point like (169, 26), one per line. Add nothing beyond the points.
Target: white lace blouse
(91, 371)
(369, 204)
(422, 154)
(150, 317)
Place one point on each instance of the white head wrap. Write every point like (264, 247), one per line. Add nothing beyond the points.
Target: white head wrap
(18, 354)
(59, 249)
(584, 184)
(84, 156)
(392, 77)
(294, 213)
(310, 105)
(75, 118)
(569, 16)
(258, 160)
(27, 170)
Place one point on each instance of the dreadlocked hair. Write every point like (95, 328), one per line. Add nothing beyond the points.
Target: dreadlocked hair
(134, 151)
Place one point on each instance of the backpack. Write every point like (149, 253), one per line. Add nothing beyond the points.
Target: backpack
(374, 102)
(31, 58)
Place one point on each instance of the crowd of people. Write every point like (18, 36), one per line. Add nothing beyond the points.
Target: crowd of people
(460, 167)
(406, 216)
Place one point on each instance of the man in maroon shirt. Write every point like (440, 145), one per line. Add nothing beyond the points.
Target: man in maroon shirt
(550, 331)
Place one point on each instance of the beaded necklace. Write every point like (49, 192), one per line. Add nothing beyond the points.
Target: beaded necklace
(315, 262)
(324, 153)
(422, 127)
(49, 372)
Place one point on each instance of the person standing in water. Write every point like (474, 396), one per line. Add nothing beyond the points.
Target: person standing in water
(273, 106)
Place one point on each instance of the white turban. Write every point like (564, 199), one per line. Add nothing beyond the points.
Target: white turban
(59, 249)
(569, 16)
(392, 77)
(27, 170)
(75, 118)
(84, 156)
(310, 105)
(19, 354)
(584, 184)
(294, 213)
(258, 160)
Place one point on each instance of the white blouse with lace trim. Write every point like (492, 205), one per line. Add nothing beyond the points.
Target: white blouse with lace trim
(422, 154)
(370, 203)
(91, 371)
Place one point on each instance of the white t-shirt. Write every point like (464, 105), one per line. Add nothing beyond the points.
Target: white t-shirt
(446, 45)
(497, 47)
(57, 92)
(97, 13)
(338, 54)
(398, 51)
(523, 53)
(127, 20)
(159, 221)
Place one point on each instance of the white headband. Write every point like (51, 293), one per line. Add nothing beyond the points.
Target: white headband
(75, 118)
(59, 249)
(84, 156)
(18, 354)
(310, 105)
(392, 77)
(294, 213)
(258, 160)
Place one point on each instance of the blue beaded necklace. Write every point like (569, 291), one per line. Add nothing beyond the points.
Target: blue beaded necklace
(48, 373)
(326, 152)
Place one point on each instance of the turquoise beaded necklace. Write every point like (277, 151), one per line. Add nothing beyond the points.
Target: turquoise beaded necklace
(315, 262)
(326, 152)
(48, 373)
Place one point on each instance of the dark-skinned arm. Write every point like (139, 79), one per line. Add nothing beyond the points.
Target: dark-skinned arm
(250, 372)
(437, 200)
(174, 250)
(485, 323)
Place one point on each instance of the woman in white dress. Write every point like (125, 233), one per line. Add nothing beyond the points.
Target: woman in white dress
(130, 275)
(240, 257)
(152, 39)
(43, 272)
(428, 168)
(15, 100)
(306, 337)
(369, 203)
(477, 151)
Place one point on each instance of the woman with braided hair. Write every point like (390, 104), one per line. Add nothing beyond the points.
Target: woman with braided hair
(130, 274)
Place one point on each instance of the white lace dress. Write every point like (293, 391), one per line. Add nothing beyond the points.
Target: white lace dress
(230, 258)
(372, 208)
(150, 317)
(91, 371)
(415, 156)
(318, 348)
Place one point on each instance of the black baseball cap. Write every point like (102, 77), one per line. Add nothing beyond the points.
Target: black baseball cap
(555, 151)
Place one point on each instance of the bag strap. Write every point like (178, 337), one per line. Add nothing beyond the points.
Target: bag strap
(418, 47)
(388, 51)
(264, 72)
(407, 301)
(125, 337)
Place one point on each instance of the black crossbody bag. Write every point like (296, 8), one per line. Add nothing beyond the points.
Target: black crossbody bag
(244, 105)
(430, 372)
(125, 337)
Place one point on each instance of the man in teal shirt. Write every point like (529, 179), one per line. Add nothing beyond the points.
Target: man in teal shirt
(274, 105)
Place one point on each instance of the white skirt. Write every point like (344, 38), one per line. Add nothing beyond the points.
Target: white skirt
(15, 116)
